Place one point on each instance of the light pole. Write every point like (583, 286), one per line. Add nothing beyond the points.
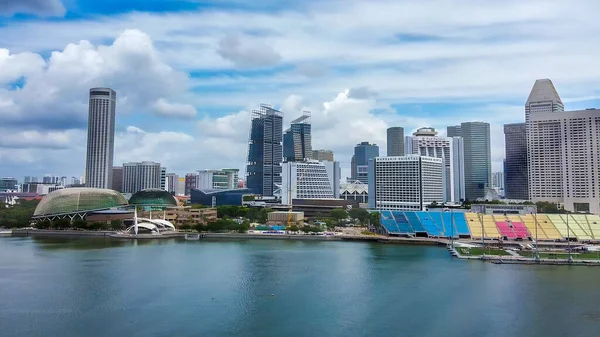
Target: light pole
(537, 252)
(480, 216)
(569, 239)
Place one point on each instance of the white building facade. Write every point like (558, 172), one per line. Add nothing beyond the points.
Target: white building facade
(425, 142)
(310, 179)
(563, 149)
(139, 176)
(224, 179)
(410, 182)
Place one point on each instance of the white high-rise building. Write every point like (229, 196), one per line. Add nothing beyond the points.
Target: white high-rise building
(498, 182)
(172, 182)
(309, 179)
(409, 182)
(224, 179)
(563, 149)
(141, 176)
(425, 142)
(101, 138)
(544, 139)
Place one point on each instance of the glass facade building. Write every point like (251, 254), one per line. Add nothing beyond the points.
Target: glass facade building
(297, 144)
(212, 197)
(265, 153)
(363, 152)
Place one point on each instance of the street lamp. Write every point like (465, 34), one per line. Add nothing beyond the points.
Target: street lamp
(569, 239)
(480, 216)
(537, 252)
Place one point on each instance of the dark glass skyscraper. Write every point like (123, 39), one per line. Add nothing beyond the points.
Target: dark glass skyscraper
(516, 184)
(363, 152)
(395, 141)
(265, 152)
(297, 144)
(478, 159)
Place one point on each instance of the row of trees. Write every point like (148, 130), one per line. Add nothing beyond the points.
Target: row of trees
(253, 214)
(220, 225)
(19, 215)
(114, 225)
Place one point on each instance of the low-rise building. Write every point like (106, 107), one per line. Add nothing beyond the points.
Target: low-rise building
(285, 218)
(183, 214)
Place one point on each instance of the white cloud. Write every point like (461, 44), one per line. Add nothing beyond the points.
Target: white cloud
(131, 66)
(36, 7)
(245, 52)
(176, 110)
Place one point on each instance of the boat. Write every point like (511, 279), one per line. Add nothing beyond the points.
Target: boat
(192, 237)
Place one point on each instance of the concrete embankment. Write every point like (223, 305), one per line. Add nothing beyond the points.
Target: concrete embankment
(59, 233)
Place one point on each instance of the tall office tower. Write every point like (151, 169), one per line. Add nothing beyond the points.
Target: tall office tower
(453, 131)
(263, 171)
(478, 157)
(409, 182)
(309, 179)
(516, 184)
(395, 141)
(117, 178)
(425, 142)
(544, 140)
(180, 190)
(458, 167)
(34, 180)
(163, 178)
(562, 151)
(353, 169)
(101, 138)
(76, 181)
(139, 176)
(297, 144)
(27, 180)
(363, 152)
(172, 182)
(47, 179)
(498, 181)
(224, 179)
(192, 180)
(321, 155)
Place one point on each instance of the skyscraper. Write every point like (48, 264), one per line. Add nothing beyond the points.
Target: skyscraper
(562, 148)
(172, 182)
(409, 182)
(453, 131)
(117, 178)
(395, 141)
(101, 138)
(478, 158)
(544, 141)
(362, 153)
(516, 184)
(321, 155)
(309, 179)
(425, 142)
(265, 154)
(139, 176)
(297, 144)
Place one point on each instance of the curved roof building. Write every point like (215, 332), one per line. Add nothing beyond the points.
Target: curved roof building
(153, 197)
(78, 200)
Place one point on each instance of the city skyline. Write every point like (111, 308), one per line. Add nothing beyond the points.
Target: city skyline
(196, 103)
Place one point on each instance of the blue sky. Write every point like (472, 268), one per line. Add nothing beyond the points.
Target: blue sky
(188, 73)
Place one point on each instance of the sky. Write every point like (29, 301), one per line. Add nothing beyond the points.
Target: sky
(188, 73)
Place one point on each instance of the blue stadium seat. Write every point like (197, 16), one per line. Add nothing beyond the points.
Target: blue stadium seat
(460, 222)
(402, 222)
(414, 222)
(436, 217)
(428, 223)
(388, 222)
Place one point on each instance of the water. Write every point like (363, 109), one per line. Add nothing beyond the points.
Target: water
(91, 287)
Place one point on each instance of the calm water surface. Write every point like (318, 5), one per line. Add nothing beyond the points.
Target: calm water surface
(90, 287)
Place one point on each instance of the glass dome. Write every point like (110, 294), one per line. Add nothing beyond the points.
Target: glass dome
(153, 197)
(73, 200)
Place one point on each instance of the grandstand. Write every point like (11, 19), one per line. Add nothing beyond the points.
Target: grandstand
(435, 224)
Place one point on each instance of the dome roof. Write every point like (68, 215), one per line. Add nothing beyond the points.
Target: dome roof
(153, 197)
(77, 199)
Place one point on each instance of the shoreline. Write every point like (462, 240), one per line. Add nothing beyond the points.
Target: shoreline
(224, 236)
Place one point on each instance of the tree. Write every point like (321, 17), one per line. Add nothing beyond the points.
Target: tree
(80, 224)
(306, 229)
(375, 219)
(248, 197)
(339, 214)
(116, 225)
(360, 214)
(263, 215)
(293, 228)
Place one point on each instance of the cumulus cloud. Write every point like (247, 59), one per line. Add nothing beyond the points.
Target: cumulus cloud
(131, 66)
(176, 110)
(363, 92)
(245, 53)
(36, 7)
